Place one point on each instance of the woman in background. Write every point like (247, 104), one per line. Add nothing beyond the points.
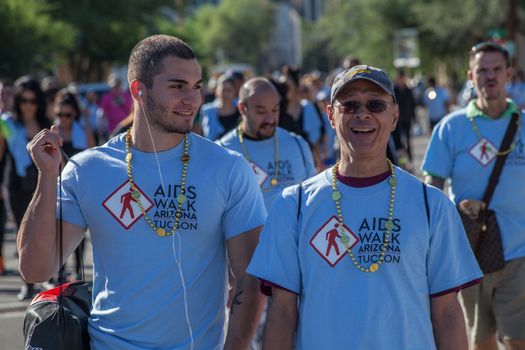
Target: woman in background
(220, 116)
(27, 119)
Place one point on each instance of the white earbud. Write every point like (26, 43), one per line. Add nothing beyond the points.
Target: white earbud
(140, 93)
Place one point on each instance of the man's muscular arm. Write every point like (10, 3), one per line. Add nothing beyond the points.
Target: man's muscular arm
(37, 240)
(248, 302)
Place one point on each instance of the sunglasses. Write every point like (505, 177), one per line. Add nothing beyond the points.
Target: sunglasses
(65, 115)
(28, 100)
(372, 106)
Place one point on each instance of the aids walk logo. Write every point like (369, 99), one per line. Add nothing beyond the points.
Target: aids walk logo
(483, 151)
(260, 174)
(327, 241)
(123, 207)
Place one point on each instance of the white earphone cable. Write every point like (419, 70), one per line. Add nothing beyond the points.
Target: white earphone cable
(178, 260)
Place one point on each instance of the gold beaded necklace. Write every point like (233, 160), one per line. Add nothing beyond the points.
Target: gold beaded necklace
(389, 225)
(491, 149)
(274, 181)
(135, 193)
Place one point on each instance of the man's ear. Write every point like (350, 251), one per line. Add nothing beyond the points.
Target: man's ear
(330, 115)
(241, 106)
(396, 117)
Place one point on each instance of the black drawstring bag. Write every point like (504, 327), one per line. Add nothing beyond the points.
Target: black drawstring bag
(57, 319)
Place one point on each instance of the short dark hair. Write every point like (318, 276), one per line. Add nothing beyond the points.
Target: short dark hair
(146, 57)
(489, 46)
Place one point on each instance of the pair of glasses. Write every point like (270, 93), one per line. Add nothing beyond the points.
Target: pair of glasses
(372, 106)
(28, 100)
(65, 115)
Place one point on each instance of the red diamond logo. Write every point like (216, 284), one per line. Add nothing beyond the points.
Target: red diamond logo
(260, 174)
(327, 241)
(123, 207)
(483, 151)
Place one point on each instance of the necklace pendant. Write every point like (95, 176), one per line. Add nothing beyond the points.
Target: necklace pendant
(336, 195)
(160, 232)
(374, 267)
(345, 239)
(181, 198)
(135, 194)
(274, 182)
(128, 157)
(185, 158)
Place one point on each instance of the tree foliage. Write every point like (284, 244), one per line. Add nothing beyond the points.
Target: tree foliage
(30, 37)
(105, 31)
(233, 31)
(366, 28)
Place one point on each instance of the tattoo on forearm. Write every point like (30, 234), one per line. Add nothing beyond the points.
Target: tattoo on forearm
(236, 300)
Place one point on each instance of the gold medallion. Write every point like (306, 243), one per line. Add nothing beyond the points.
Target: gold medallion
(161, 232)
(274, 182)
(374, 267)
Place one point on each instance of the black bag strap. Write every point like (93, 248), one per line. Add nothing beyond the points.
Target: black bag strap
(61, 271)
(300, 149)
(500, 160)
(427, 208)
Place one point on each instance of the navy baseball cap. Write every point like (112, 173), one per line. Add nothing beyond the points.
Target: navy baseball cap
(375, 75)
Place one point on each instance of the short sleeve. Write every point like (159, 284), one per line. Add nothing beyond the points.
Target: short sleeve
(450, 261)
(71, 211)
(276, 258)
(438, 160)
(245, 205)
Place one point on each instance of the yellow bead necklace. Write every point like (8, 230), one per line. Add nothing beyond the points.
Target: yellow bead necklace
(274, 181)
(389, 225)
(135, 193)
(493, 150)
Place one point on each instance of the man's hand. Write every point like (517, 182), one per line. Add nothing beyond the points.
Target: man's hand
(44, 148)
(472, 207)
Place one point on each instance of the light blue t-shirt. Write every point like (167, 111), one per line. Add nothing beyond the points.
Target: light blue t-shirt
(211, 126)
(341, 307)
(138, 300)
(295, 160)
(311, 122)
(455, 152)
(435, 100)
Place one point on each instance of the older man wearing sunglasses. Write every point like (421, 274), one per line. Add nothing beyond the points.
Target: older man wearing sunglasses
(401, 250)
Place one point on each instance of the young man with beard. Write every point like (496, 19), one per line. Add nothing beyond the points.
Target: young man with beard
(392, 282)
(160, 266)
(464, 148)
(278, 158)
